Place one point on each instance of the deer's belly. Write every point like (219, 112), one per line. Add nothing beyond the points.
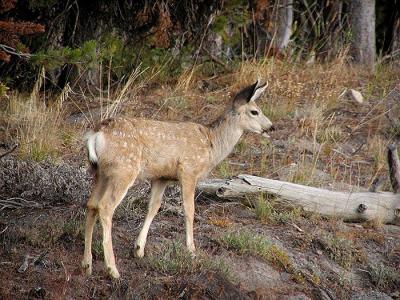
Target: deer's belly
(159, 168)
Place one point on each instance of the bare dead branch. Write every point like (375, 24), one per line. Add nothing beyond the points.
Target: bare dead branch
(216, 59)
(14, 51)
(394, 167)
(9, 151)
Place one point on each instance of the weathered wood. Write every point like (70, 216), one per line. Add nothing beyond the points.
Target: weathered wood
(394, 167)
(359, 206)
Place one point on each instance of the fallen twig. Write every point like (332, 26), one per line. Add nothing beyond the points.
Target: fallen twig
(16, 202)
(297, 227)
(9, 151)
(4, 230)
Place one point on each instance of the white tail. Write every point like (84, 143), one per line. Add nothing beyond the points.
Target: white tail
(122, 150)
(95, 143)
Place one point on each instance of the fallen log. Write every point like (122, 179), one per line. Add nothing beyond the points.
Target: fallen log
(357, 206)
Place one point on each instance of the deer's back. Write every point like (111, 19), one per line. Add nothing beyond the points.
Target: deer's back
(158, 149)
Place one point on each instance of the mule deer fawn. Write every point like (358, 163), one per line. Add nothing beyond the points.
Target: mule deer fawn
(121, 150)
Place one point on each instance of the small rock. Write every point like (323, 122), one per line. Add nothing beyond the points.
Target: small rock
(356, 96)
(25, 264)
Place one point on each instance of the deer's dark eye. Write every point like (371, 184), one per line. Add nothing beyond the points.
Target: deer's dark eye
(254, 112)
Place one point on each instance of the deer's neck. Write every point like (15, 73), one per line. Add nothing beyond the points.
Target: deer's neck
(225, 133)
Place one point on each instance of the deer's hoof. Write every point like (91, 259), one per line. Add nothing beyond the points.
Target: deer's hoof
(87, 267)
(139, 251)
(113, 272)
(192, 249)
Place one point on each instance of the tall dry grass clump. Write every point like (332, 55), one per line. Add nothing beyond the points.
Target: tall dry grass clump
(299, 83)
(36, 126)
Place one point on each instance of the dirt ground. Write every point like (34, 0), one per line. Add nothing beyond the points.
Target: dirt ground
(41, 250)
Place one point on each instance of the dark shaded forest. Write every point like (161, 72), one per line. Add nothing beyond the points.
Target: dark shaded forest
(72, 38)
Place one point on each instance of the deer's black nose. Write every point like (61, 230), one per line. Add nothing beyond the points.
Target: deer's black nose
(272, 128)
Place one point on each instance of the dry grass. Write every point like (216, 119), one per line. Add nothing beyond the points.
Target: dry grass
(383, 277)
(302, 100)
(245, 242)
(344, 250)
(376, 150)
(269, 212)
(175, 259)
(220, 221)
(35, 123)
(36, 127)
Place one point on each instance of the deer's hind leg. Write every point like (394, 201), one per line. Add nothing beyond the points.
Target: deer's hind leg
(117, 186)
(91, 216)
(157, 191)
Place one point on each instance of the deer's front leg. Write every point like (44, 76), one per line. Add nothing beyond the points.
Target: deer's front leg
(188, 187)
(157, 191)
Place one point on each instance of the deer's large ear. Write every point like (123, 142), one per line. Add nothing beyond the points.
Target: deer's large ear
(250, 93)
(258, 90)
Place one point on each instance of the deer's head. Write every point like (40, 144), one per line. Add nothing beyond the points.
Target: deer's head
(251, 117)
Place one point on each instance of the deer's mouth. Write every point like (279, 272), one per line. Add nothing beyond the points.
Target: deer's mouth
(264, 132)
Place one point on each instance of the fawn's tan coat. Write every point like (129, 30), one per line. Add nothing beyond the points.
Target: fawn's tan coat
(122, 150)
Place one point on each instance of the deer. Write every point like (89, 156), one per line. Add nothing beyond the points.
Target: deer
(122, 150)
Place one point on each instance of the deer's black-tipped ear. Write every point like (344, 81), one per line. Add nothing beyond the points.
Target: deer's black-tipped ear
(250, 93)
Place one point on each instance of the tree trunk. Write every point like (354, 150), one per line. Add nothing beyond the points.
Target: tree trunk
(283, 23)
(396, 38)
(363, 43)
